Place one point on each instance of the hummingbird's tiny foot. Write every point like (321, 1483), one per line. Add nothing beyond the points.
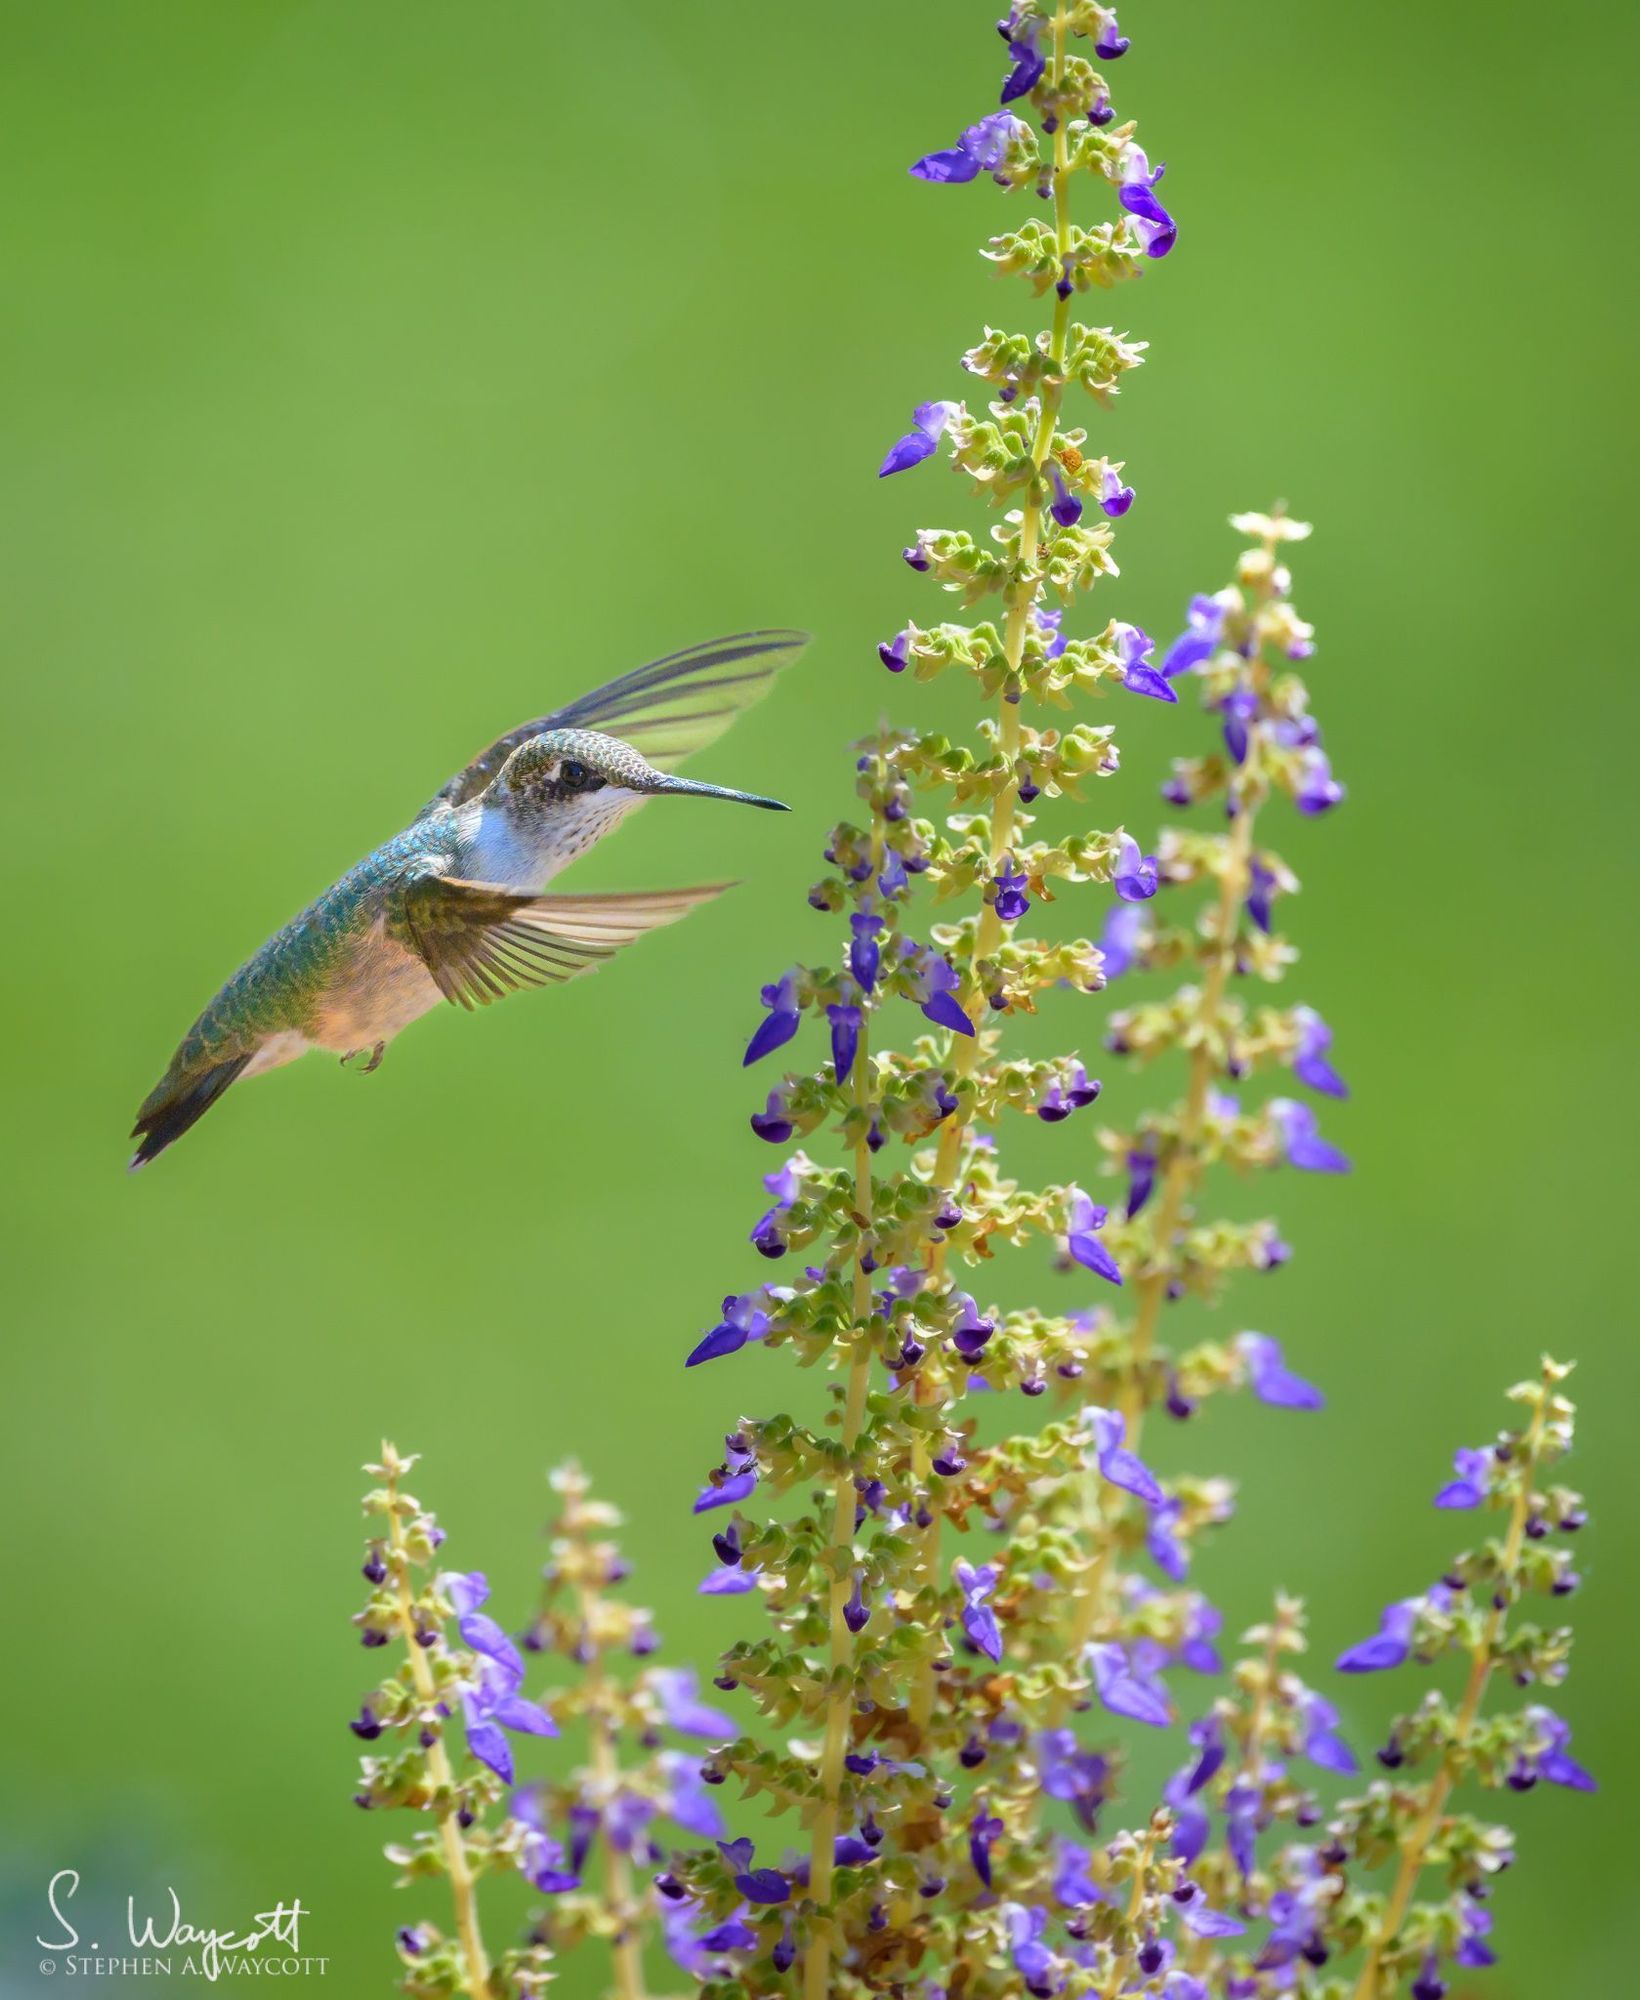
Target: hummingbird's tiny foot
(375, 1062)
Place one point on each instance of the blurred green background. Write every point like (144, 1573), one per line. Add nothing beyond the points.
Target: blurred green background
(377, 374)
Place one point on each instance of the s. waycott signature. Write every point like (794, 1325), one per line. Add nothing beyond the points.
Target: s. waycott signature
(162, 1940)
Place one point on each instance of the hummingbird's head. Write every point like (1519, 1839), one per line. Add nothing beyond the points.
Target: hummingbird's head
(570, 786)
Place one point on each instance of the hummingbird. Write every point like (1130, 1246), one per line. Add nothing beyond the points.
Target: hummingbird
(451, 909)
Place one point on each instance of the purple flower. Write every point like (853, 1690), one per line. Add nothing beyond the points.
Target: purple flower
(845, 1039)
(688, 1798)
(1262, 888)
(784, 1015)
(978, 1619)
(1310, 1064)
(1270, 1378)
(743, 1320)
(1111, 42)
(542, 1858)
(1390, 1645)
(772, 1122)
(1126, 1688)
(1239, 709)
(971, 1332)
(928, 421)
(1033, 1960)
(1029, 63)
(1065, 507)
(864, 953)
(494, 1705)
(1108, 1429)
(1048, 625)
(981, 149)
(477, 1628)
(757, 1885)
(1473, 1483)
(1199, 640)
(1133, 649)
(1167, 1551)
(1141, 1167)
(1157, 229)
(1322, 1743)
(740, 1482)
(728, 1581)
(1122, 939)
(1058, 1101)
(983, 1833)
(1552, 1762)
(1301, 1141)
(1011, 899)
(1082, 1243)
(1318, 791)
(1114, 498)
(1133, 875)
(850, 1851)
(682, 1709)
(934, 989)
(1079, 1777)
(896, 651)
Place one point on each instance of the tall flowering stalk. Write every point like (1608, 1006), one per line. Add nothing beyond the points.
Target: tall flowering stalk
(934, 1694)
(584, 1838)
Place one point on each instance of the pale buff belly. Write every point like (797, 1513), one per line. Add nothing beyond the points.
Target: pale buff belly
(380, 990)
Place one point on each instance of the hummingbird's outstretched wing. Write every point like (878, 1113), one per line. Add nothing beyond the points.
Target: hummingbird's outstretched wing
(666, 710)
(481, 942)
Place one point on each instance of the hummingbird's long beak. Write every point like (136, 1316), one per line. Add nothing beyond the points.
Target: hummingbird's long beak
(690, 787)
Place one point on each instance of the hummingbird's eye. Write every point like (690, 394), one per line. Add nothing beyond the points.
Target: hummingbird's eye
(572, 774)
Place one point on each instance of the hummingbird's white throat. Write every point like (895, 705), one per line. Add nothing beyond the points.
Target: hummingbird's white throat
(522, 845)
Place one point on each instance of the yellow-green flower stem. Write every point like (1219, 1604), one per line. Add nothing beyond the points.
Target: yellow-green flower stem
(463, 1892)
(1130, 1925)
(1416, 1844)
(626, 1948)
(988, 932)
(1178, 1181)
(823, 1838)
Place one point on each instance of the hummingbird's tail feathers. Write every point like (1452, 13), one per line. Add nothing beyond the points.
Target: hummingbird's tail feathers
(480, 942)
(666, 710)
(178, 1104)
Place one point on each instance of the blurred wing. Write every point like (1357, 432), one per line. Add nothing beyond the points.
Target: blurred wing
(666, 711)
(481, 943)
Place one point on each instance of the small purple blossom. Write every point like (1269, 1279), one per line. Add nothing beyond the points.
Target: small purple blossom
(1108, 1431)
(1114, 498)
(772, 1123)
(983, 1833)
(981, 149)
(1122, 939)
(1317, 790)
(1087, 1217)
(1200, 639)
(1310, 1064)
(1301, 1141)
(978, 1619)
(743, 1321)
(1110, 42)
(1271, 1380)
(1157, 229)
(864, 952)
(1474, 1471)
(845, 1022)
(1133, 649)
(1065, 507)
(934, 989)
(781, 1025)
(1389, 1646)
(928, 426)
(1133, 875)
(1011, 899)
(683, 1710)
(1059, 1100)
(1126, 1688)
(1322, 1743)
(895, 652)
(1028, 59)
